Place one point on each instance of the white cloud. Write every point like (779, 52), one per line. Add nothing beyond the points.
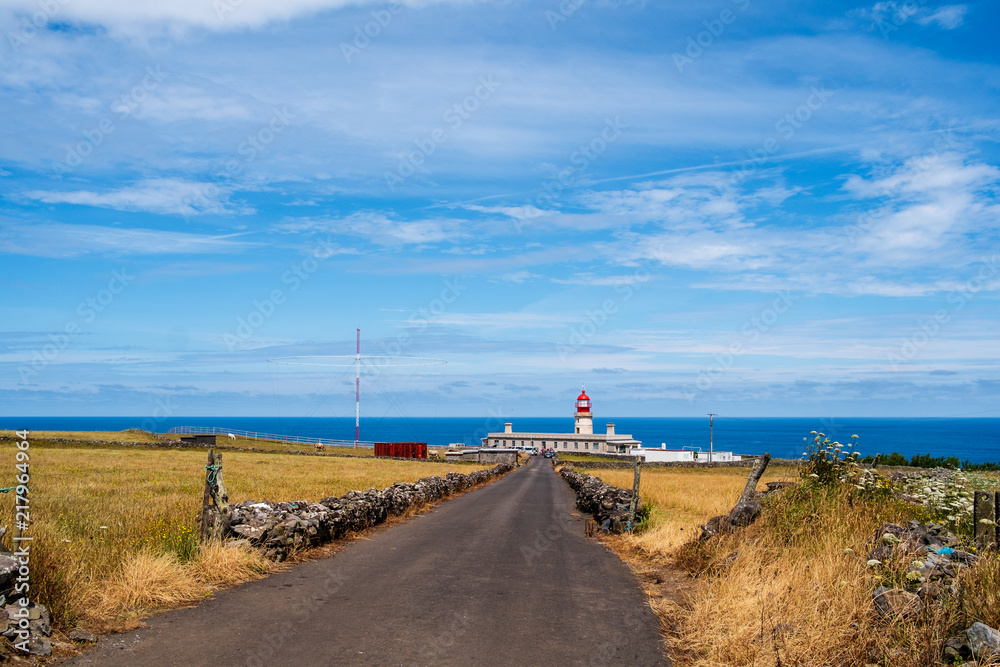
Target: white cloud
(58, 240)
(493, 321)
(166, 196)
(517, 277)
(216, 15)
(933, 204)
(591, 280)
(526, 212)
(173, 102)
(947, 17)
(889, 14)
(687, 202)
(380, 228)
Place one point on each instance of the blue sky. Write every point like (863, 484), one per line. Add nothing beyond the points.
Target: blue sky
(756, 209)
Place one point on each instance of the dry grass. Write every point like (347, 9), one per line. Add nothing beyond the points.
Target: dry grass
(792, 589)
(786, 591)
(146, 580)
(106, 519)
(282, 446)
(130, 435)
(143, 437)
(683, 499)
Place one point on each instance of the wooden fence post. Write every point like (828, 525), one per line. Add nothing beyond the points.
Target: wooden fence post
(755, 473)
(635, 493)
(215, 501)
(15, 536)
(984, 509)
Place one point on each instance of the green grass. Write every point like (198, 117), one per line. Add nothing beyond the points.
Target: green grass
(585, 457)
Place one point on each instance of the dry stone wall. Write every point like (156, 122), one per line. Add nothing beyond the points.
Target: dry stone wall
(279, 528)
(608, 504)
(745, 463)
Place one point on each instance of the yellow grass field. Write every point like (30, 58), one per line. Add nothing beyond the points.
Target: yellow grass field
(794, 588)
(115, 528)
(138, 436)
(684, 498)
(131, 435)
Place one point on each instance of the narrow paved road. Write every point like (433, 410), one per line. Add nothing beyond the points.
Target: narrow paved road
(502, 575)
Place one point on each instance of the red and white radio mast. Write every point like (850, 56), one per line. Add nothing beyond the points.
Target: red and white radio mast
(378, 363)
(357, 391)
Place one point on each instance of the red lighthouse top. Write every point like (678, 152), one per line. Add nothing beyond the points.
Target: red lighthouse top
(583, 402)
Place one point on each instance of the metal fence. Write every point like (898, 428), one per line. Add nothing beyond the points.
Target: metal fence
(302, 439)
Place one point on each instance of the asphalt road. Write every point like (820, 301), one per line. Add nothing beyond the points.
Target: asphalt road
(502, 575)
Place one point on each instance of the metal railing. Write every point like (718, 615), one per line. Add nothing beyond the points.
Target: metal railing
(301, 439)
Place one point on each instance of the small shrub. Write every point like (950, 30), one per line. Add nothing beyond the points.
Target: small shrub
(828, 462)
(947, 501)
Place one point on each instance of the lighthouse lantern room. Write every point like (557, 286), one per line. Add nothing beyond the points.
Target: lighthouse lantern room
(584, 415)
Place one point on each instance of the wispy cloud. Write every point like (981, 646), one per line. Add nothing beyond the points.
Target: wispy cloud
(165, 196)
(947, 17)
(379, 228)
(893, 14)
(222, 15)
(927, 209)
(59, 240)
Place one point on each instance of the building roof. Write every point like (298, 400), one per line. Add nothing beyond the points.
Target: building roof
(561, 436)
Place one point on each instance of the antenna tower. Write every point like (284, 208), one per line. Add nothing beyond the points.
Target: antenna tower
(376, 363)
(357, 391)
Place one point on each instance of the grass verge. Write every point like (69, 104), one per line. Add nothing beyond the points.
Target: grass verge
(794, 588)
(115, 528)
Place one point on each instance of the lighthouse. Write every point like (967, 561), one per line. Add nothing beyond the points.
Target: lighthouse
(583, 438)
(584, 416)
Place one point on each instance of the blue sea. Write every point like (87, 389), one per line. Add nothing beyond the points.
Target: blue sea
(976, 440)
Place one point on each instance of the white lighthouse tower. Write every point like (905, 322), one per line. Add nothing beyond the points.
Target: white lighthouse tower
(584, 416)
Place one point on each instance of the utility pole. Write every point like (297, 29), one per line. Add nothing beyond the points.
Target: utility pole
(711, 449)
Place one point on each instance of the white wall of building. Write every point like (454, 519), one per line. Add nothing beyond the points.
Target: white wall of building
(663, 455)
(719, 457)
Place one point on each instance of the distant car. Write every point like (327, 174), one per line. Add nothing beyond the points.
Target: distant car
(550, 454)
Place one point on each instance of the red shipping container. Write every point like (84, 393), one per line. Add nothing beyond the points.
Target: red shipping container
(401, 450)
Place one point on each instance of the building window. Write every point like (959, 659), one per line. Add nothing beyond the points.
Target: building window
(496, 442)
(576, 445)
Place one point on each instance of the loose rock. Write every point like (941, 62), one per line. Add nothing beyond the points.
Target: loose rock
(895, 603)
(79, 635)
(984, 641)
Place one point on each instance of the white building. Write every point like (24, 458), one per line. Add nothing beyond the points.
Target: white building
(583, 440)
(663, 454)
(650, 455)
